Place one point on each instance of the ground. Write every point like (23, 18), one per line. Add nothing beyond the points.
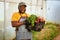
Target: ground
(58, 36)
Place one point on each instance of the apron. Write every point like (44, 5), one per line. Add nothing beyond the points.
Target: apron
(22, 32)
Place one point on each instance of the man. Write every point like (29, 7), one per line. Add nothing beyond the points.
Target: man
(17, 21)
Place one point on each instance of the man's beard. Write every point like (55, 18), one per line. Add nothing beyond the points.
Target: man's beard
(23, 11)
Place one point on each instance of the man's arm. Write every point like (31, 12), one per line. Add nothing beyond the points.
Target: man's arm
(16, 23)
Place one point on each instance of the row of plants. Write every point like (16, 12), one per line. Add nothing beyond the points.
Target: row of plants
(47, 33)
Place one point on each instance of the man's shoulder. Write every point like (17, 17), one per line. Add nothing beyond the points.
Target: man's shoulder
(15, 16)
(16, 13)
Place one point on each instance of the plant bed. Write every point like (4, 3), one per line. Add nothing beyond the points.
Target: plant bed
(47, 33)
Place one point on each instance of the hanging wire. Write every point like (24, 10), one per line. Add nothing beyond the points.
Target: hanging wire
(36, 9)
(42, 5)
(30, 5)
(42, 8)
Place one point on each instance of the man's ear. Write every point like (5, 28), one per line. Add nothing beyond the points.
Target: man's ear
(18, 7)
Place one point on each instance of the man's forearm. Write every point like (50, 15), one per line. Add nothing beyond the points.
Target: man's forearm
(17, 24)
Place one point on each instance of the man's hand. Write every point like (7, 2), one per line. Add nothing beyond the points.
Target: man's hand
(22, 23)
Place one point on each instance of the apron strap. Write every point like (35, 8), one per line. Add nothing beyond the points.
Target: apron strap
(18, 21)
(21, 16)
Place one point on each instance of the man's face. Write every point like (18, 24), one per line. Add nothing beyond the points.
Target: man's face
(22, 9)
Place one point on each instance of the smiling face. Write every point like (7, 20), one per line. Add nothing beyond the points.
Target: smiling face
(22, 9)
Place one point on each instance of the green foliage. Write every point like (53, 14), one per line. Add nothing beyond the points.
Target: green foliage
(32, 19)
(47, 33)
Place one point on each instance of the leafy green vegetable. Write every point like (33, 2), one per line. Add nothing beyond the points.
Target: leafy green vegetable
(32, 19)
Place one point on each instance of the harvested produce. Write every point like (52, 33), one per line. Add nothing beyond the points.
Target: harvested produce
(34, 23)
(32, 19)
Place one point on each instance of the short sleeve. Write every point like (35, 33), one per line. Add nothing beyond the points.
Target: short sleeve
(15, 17)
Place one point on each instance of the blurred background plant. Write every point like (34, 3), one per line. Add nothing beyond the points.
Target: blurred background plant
(49, 31)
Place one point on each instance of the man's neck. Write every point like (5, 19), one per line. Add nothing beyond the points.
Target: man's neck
(21, 12)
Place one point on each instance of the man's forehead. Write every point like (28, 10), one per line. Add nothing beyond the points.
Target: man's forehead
(23, 6)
